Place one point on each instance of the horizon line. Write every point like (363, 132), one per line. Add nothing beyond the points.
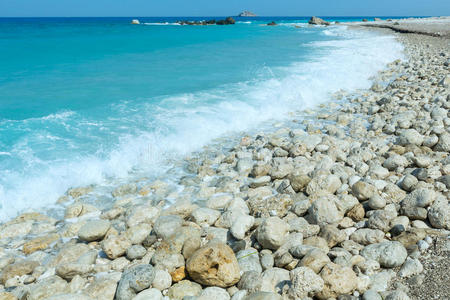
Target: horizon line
(262, 16)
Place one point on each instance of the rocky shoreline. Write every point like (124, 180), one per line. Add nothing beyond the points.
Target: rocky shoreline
(353, 204)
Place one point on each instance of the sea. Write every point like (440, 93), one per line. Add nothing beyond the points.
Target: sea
(102, 102)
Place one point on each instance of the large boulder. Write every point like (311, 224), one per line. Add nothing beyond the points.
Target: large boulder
(318, 21)
(214, 265)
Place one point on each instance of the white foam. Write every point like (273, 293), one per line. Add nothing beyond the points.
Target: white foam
(163, 24)
(196, 119)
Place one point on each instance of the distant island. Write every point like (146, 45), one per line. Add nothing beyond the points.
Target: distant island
(246, 13)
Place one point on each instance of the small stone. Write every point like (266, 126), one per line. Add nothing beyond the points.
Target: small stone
(39, 243)
(408, 182)
(371, 295)
(267, 261)
(248, 260)
(363, 190)
(70, 270)
(125, 190)
(214, 293)
(397, 295)
(377, 202)
(134, 280)
(136, 252)
(179, 274)
(47, 287)
(205, 215)
(304, 283)
(338, 280)
(214, 265)
(275, 280)
(241, 225)
(439, 214)
(388, 254)
(166, 226)
(148, 294)
(323, 184)
(139, 233)
(263, 296)
(324, 211)
(315, 259)
(250, 281)
(162, 280)
(18, 269)
(115, 246)
(357, 213)
(410, 268)
(272, 233)
(184, 288)
(423, 245)
(94, 230)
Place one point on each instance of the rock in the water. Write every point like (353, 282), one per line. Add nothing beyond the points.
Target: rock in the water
(94, 230)
(318, 21)
(388, 254)
(115, 246)
(134, 280)
(47, 287)
(214, 265)
(165, 226)
(272, 233)
(17, 269)
(70, 270)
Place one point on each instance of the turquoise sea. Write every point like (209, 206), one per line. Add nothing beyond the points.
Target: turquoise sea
(98, 100)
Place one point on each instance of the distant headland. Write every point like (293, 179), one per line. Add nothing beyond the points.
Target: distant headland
(246, 13)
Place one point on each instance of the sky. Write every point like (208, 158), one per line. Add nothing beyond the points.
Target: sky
(129, 8)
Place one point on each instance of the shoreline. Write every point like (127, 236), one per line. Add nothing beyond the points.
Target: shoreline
(338, 175)
(434, 26)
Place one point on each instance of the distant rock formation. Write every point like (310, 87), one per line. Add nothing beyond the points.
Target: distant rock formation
(246, 13)
(227, 21)
(318, 21)
(135, 21)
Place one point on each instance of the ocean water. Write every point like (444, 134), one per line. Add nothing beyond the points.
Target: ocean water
(100, 101)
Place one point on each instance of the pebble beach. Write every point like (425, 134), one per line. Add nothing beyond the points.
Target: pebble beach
(349, 200)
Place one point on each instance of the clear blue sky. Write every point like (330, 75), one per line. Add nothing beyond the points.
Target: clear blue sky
(71, 8)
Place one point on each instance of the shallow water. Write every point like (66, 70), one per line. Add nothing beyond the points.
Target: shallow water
(94, 101)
